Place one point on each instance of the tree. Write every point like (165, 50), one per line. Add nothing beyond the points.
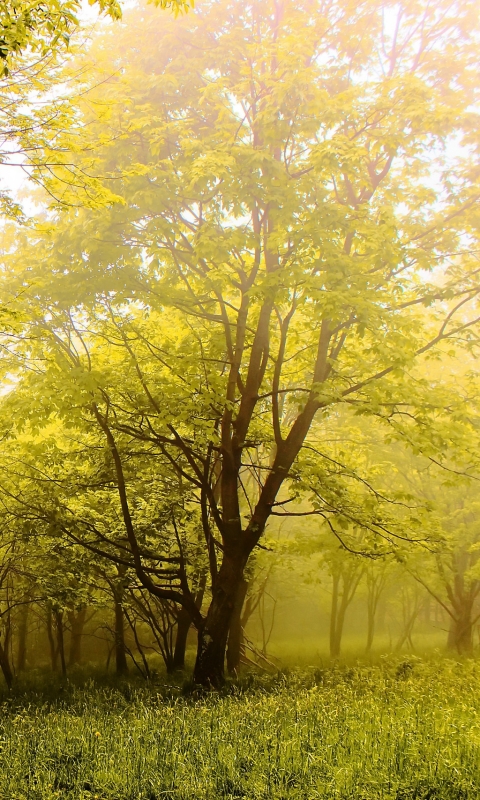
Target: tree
(451, 574)
(268, 264)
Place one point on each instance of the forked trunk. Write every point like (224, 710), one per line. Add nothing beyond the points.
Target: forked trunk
(212, 637)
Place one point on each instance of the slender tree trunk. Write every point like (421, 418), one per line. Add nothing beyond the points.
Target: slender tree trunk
(51, 640)
(333, 616)
(235, 635)
(376, 587)
(370, 627)
(77, 622)
(184, 623)
(348, 580)
(406, 635)
(141, 652)
(22, 638)
(340, 621)
(60, 640)
(121, 666)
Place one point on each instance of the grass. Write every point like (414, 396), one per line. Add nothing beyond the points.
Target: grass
(406, 730)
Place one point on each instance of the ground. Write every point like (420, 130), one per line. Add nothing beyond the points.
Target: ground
(402, 729)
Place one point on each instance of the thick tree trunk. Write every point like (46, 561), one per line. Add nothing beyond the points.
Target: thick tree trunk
(22, 638)
(212, 637)
(235, 634)
(5, 665)
(460, 634)
(121, 666)
(77, 622)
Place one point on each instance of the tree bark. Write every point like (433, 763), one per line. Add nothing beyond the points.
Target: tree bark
(5, 665)
(77, 622)
(212, 635)
(184, 624)
(460, 634)
(235, 634)
(121, 666)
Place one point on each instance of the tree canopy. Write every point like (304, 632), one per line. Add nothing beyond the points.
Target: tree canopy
(289, 245)
(43, 26)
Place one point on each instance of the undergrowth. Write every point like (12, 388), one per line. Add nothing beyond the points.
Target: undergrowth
(404, 731)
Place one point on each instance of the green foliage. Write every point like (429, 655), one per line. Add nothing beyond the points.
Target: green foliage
(45, 26)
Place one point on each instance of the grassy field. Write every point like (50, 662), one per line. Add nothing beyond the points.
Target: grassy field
(403, 730)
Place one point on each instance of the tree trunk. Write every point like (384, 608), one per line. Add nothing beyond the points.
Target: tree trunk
(333, 616)
(5, 665)
(60, 640)
(184, 622)
(336, 643)
(460, 634)
(22, 638)
(406, 635)
(370, 627)
(349, 580)
(121, 666)
(51, 640)
(212, 636)
(77, 621)
(235, 635)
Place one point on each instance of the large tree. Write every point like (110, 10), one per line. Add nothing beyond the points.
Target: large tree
(297, 233)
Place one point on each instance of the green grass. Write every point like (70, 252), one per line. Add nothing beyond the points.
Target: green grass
(406, 730)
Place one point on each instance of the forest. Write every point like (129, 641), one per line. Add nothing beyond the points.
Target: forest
(239, 399)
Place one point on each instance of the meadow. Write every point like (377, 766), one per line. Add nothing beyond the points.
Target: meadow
(401, 729)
